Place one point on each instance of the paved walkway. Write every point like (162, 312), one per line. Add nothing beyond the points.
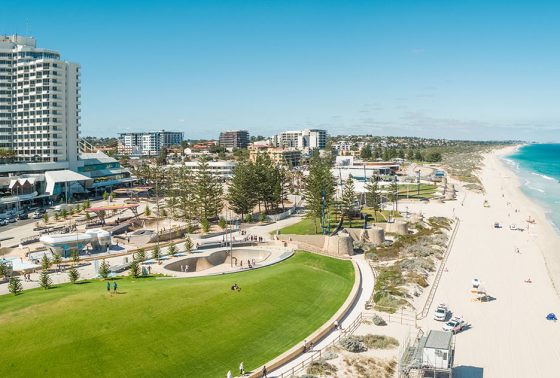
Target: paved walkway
(364, 295)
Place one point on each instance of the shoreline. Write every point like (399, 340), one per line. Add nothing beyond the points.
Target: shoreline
(547, 236)
(504, 156)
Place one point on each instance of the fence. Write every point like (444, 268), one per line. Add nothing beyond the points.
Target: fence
(439, 273)
(318, 355)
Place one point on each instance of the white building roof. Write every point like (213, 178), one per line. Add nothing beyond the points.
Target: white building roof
(65, 175)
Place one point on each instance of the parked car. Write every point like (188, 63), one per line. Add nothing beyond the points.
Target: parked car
(455, 325)
(40, 210)
(440, 314)
(22, 216)
(12, 219)
(3, 222)
(37, 215)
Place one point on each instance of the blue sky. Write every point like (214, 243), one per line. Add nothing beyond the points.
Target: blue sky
(456, 69)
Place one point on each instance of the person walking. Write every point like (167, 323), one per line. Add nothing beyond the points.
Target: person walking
(241, 368)
(228, 375)
(108, 287)
(264, 372)
(115, 287)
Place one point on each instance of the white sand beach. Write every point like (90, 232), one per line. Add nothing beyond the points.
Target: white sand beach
(508, 336)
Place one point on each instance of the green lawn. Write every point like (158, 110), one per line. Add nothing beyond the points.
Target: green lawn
(306, 226)
(170, 327)
(411, 191)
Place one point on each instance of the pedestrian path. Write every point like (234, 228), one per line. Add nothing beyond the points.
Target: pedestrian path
(365, 293)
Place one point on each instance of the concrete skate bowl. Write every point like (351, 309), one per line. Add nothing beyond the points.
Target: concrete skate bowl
(257, 257)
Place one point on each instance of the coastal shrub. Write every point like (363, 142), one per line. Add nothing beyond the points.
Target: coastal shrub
(321, 368)
(378, 320)
(379, 341)
(329, 356)
(353, 344)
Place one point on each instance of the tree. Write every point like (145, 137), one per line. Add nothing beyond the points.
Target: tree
(208, 192)
(104, 269)
(418, 156)
(393, 194)
(134, 268)
(45, 262)
(14, 286)
(248, 218)
(4, 270)
(75, 255)
(64, 213)
(348, 198)
(188, 244)
(112, 197)
(172, 250)
(46, 218)
(45, 279)
(366, 152)
(87, 204)
(56, 217)
(105, 196)
(222, 223)
(156, 252)
(241, 195)
(433, 157)
(410, 155)
(373, 197)
(319, 188)
(73, 274)
(140, 255)
(57, 260)
(147, 211)
(205, 225)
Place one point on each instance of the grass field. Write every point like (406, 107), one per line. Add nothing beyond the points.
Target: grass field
(170, 327)
(307, 227)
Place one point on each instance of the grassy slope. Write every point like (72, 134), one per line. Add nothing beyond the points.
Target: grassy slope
(178, 327)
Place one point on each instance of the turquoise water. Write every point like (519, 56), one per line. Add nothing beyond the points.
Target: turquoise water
(538, 167)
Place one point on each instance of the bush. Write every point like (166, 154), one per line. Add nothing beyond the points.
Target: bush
(353, 344)
(45, 280)
(321, 368)
(73, 274)
(135, 268)
(329, 356)
(378, 320)
(15, 287)
(104, 269)
(379, 341)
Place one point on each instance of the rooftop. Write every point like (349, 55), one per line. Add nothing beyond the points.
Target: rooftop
(438, 340)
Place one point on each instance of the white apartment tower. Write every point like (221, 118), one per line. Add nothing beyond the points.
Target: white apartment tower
(39, 103)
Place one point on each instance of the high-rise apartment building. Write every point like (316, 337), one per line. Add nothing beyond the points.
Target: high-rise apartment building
(306, 139)
(148, 143)
(234, 139)
(39, 103)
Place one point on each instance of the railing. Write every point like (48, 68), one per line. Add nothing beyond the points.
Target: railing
(439, 273)
(318, 355)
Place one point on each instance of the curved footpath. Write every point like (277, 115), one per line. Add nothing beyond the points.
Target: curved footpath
(364, 293)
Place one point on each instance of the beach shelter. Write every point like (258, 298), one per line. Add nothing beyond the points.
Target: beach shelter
(551, 316)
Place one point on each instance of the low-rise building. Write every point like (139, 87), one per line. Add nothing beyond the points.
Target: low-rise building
(289, 157)
(221, 169)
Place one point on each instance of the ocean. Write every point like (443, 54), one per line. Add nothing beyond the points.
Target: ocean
(538, 167)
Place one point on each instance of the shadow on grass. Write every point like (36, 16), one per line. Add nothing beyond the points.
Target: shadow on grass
(82, 282)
